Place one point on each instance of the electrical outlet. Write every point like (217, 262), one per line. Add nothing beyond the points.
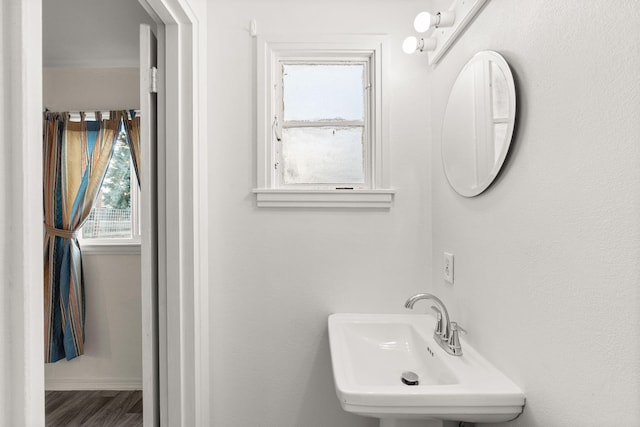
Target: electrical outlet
(448, 267)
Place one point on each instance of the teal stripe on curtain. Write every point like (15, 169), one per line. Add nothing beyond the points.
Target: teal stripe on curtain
(75, 159)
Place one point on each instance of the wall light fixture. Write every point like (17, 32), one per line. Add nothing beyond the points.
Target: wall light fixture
(445, 28)
(413, 44)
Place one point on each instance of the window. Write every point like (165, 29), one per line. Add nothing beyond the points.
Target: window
(114, 219)
(321, 130)
(323, 139)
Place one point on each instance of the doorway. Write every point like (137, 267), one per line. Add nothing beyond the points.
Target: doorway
(93, 65)
(182, 121)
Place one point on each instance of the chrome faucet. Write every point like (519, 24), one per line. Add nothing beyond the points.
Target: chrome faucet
(446, 331)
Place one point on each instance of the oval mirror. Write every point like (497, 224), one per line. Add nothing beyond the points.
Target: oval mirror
(478, 123)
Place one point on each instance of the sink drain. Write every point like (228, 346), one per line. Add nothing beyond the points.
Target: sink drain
(410, 378)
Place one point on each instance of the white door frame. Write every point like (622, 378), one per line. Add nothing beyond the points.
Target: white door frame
(182, 217)
(148, 173)
(182, 200)
(21, 298)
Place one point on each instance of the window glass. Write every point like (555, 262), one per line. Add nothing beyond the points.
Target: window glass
(318, 92)
(323, 155)
(110, 217)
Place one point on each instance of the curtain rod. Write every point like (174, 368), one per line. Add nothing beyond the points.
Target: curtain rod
(93, 110)
(74, 116)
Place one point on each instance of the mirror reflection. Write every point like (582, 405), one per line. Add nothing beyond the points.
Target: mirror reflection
(478, 123)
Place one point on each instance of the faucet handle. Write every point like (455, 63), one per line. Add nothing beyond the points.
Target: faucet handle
(438, 330)
(454, 340)
(456, 327)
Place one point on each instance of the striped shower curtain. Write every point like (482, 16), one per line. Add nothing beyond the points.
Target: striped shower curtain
(75, 159)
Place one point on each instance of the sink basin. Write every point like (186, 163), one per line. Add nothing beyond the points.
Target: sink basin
(370, 352)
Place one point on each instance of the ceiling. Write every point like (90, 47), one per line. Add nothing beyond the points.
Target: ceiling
(91, 33)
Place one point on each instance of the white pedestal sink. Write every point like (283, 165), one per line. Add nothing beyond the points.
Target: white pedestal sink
(369, 353)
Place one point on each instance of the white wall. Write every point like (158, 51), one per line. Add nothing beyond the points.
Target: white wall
(89, 89)
(113, 331)
(91, 33)
(113, 334)
(548, 259)
(21, 296)
(276, 274)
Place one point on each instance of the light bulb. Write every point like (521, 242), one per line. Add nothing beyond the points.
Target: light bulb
(410, 45)
(424, 21)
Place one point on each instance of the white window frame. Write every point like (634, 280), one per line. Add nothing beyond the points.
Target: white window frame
(119, 246)
(346, 58)
(271, 51)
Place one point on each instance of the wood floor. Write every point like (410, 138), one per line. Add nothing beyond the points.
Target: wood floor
(93, 408)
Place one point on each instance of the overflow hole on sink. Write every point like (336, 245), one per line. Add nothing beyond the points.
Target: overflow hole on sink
(410, 378)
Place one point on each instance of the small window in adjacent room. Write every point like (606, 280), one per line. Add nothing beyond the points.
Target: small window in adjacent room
(114, 219)
(321, 122)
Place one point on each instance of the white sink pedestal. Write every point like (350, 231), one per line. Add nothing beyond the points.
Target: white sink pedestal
(395, 422)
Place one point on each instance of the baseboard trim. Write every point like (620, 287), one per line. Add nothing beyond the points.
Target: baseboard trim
(66, 384)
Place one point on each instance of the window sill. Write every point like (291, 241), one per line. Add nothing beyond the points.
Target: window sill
(289, 198)
(132, 248)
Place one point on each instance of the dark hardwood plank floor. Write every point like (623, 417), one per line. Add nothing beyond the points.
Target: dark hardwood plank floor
(93, 408)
